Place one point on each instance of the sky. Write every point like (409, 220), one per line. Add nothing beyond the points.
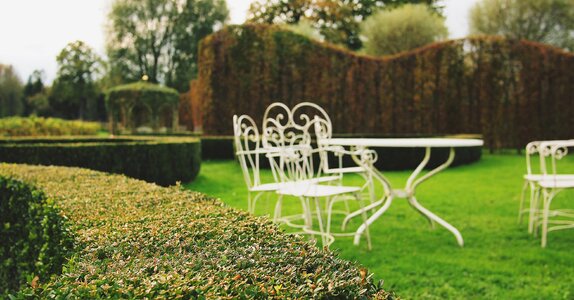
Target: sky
(33, 32)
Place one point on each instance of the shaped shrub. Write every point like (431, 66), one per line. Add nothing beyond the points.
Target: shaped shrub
(509, 91)
(161, 160)
(139, 240)
(35, 239)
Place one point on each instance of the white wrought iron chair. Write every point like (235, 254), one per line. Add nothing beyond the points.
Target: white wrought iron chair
(531, 179)
(247, 145)
(551, 185)
(294, 166)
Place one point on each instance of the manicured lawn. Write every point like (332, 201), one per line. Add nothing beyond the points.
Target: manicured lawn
(500, 260)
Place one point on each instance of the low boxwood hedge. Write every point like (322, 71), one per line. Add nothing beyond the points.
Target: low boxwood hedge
(160, 160)
(34, 236)
(140, 240)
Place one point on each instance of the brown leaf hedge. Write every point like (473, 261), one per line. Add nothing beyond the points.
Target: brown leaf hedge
(136, 240)
(509, 91)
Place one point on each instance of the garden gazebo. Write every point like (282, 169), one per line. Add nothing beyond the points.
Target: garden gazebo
(142, 104)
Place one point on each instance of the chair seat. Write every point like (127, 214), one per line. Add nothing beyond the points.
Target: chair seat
(551, 183)
(269, 187)
(315, 190)
(539, 177)
(345, 170)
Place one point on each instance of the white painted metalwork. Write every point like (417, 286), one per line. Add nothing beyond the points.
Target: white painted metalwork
(533, 176)
(288, 132)
(409, 191)
(552, 183)
(248, 151)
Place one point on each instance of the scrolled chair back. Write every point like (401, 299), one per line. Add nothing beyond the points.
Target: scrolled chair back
(289, 133)
(247, 148)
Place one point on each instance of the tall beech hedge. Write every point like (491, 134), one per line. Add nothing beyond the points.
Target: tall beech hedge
(162, 160)
(509, 91)
(142, 241)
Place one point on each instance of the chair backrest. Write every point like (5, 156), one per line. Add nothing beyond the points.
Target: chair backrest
(554, 151)
(541, 149)
(314, 119)
(247, 148)
(290, 137)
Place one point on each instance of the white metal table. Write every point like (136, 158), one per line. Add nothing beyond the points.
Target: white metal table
(414, 179)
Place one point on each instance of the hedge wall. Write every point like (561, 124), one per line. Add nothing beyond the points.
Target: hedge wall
(511, 92)
(138, 240)
(35, 237)
(161, 160)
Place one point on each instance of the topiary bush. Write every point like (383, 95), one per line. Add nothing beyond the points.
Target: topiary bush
(38, 126)
(139, 240)
(35, 237)
(164, 160)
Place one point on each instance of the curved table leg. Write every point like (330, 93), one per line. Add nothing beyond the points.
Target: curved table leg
(414, 203)
(372, 219)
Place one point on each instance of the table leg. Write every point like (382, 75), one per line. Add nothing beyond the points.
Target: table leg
(372, 219)
(413, 182)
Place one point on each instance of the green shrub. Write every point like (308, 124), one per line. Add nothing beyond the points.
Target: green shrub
(35, 239)
(217, 147)
(38, 126)
(140, 240)
(403, 28)
(161, 160)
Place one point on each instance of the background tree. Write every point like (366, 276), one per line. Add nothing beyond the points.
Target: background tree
(337, 20)
(36, 95)
(545, 21)
(10, 92)
(74, 92)
(403, 28)
(159, 38)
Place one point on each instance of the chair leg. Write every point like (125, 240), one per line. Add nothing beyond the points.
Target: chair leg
(521, 207)
(365, 218)
(277, 212)
(534, 202)
(548, 196)
(320, 221)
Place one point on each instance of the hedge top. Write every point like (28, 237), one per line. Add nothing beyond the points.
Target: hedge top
(91, 140)
(138, 240)
(151, 94)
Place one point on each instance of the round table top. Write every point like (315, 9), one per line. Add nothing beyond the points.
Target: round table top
(405, 142)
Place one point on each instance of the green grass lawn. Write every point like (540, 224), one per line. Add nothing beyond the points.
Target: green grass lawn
(500, 260)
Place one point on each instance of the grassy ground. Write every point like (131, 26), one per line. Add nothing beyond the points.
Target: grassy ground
(500, 260)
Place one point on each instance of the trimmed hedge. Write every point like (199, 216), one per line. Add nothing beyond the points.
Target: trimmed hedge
(509, 91)
(38, 126)
(35, 238)
(139, 240)
(161, 160)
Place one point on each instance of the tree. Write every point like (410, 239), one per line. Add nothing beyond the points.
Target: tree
(74, 92)
(545, 21)
(10, 92)
(403, 28)
(35, 96)
(337, 20)
(160, 38)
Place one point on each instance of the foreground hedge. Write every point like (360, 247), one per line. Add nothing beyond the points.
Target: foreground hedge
(161, 160)
(37, 126)
(35, 239)
(511, 92)
(139, 240)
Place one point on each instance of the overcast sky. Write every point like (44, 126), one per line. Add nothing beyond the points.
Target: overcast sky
(33, 32)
